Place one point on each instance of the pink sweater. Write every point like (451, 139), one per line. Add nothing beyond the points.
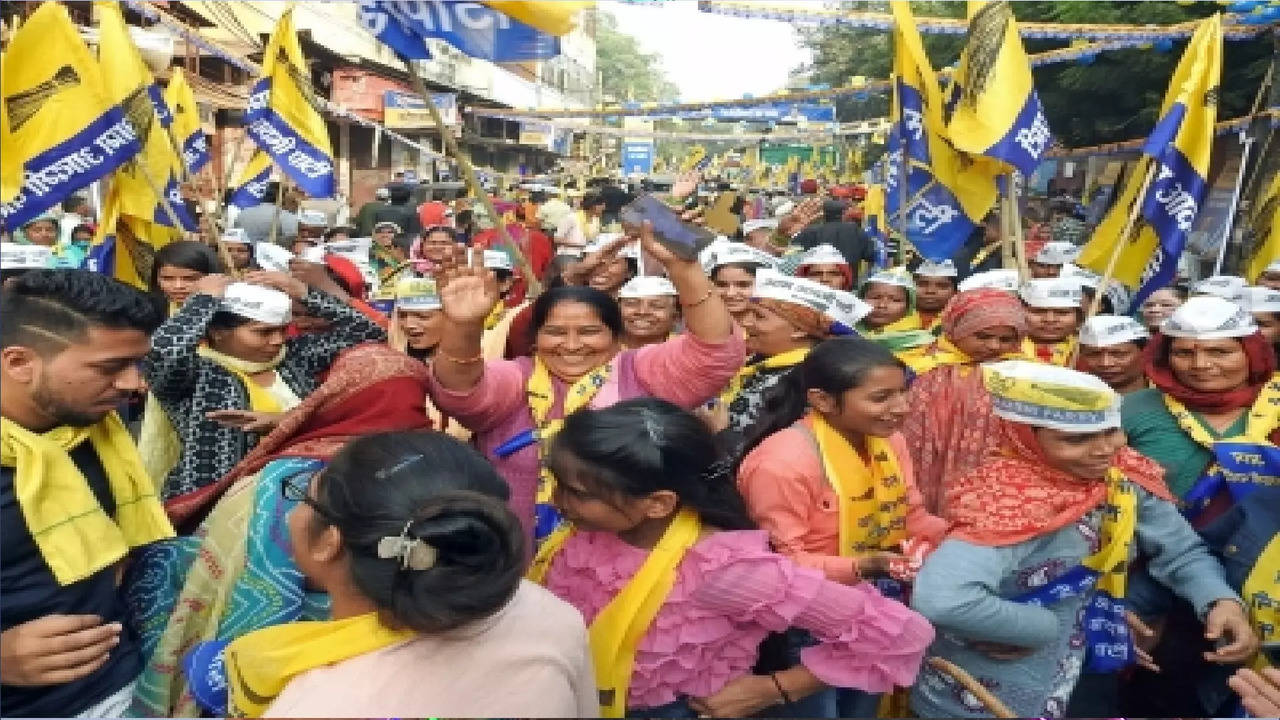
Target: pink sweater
(787, 493)
(683, 370)
(730, 592)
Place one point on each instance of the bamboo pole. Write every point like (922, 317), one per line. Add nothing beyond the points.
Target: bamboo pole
(984, 696)
(469, 173)
(275, 215)
(1018, 241)
(1129, 223)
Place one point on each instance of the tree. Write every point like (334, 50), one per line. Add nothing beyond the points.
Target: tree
(627, 72)
(1115, 98)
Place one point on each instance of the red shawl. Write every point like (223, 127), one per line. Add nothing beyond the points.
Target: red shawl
(1018, 496)
(1262, 365)
(370, 388)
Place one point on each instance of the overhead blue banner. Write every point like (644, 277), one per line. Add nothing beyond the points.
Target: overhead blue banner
(471, 27)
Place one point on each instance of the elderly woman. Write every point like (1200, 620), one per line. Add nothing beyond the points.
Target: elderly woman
(1111, 348)
(224, 370)
(978, 326)
(515, 407)
(1029, 589)
(786, 318)
(650, 310)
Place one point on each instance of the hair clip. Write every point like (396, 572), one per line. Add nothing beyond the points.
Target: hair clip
(414, 554)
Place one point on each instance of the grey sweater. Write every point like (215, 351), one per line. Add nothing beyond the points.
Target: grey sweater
(964, 590)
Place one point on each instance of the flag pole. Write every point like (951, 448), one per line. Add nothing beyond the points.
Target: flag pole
(1018, 241)
(469, 173)
(275, 215)
(1247, 140)
(1116, 251)
(902, 205)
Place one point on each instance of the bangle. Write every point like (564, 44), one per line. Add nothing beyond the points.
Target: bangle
(460, 361)
(699, 301)
(781, 692)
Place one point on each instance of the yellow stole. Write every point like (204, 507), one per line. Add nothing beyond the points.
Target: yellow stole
(541, 396)
(943, 352)
(910, 321)
(1060, 352)
(622, 624)
(259, 665)
(1263, 418)
(1119, 526)
(873, 500)
(75, 536)
(789, 358)
(1261, 593)
(260, 399)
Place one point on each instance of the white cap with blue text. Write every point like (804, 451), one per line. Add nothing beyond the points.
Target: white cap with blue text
(718, 254)
(1109, 330)
(1062, 293)
(1056, 253)
(996, 279)
(235, 236)
(645, 286)
(264, 304)
(1208, 317)
(1228, 287)
(1049, 396)
(937, 268)
(823, 254)
(272, 257)
(843, 309)
(1260, 300)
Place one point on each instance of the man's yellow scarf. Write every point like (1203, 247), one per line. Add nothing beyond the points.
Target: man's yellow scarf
(75, 536)
(873, 498)
(618, 629)
(541, 396)
(259, 665)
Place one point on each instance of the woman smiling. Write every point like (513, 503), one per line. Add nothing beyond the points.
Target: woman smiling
(516, 407)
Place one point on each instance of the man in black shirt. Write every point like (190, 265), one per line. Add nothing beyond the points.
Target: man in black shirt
(70, 343)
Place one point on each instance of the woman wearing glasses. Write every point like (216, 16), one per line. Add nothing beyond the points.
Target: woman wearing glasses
(235, 574)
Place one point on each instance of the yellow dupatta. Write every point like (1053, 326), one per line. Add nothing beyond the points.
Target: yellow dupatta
(789, 358)
(259, 665)
(75, 536)
(541, 396)
(260, 398)
(873, 499)
(1119, 527)
(1261, 593)
(1262, 419)
(618, 629)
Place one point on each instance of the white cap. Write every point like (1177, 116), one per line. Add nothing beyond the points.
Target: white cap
(1052, 293)
(353, 249)
(14, 256)
(1207, 317)
(822, 255)
(272, 257)
(1049, 396)
(1108, 330)
(235, 236)
(417, 293)
(1084, 276)
(896, 276)
(998, 279)
(1056, 253)
(784, 209)
(719, 254)
(497, 260)
(313, 218)
(842, 308)
(1228, 287)
(1274, 267)
(264, 304)
(940, 268)
(751, 226)
(377, 225)
(313, 253)
(601, 240)
(1260, 299)
(643, 286)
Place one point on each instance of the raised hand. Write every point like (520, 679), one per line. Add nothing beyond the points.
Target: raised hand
(282, 281)
(467, 292)
(213, 284)
(686, 184)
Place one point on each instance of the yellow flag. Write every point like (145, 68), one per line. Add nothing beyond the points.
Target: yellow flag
(250, 186)
(555, 18)
(695, 156)
(1266, 228)
(61, 130)
(125, 246)
(997, 113)
(284, 117)
(187, 129)
(155, 172)
(1176, 158)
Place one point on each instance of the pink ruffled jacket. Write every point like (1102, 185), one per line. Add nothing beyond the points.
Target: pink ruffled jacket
(730, 592)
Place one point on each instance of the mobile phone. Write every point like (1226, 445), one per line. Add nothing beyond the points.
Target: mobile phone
(681, 238)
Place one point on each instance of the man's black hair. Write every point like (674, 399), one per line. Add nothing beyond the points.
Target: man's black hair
(46, 309)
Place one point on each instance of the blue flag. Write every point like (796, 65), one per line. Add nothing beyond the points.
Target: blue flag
(471, 27)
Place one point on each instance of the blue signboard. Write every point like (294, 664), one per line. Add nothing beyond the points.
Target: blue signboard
(637, 157)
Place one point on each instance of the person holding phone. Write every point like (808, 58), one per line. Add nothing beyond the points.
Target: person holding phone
(224, 369)
(516, 407)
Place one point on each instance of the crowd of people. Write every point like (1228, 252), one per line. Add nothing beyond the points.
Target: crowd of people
(553, 464)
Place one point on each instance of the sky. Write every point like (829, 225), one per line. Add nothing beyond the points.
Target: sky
(712, 57)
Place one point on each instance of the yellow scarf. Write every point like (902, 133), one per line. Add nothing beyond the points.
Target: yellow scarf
(1119, 524)
(1263, 418)
(789, 358)
(910, 321)
(1261, 592)
(495, 315)
(873, 500)
(75, 537)
(1060, 352)
(541, 396)
(259, 665)
(622, 624)
(260, 398)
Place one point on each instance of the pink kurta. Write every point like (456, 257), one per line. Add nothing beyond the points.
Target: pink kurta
(788, 494)
(683, 370)
(730, 592)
